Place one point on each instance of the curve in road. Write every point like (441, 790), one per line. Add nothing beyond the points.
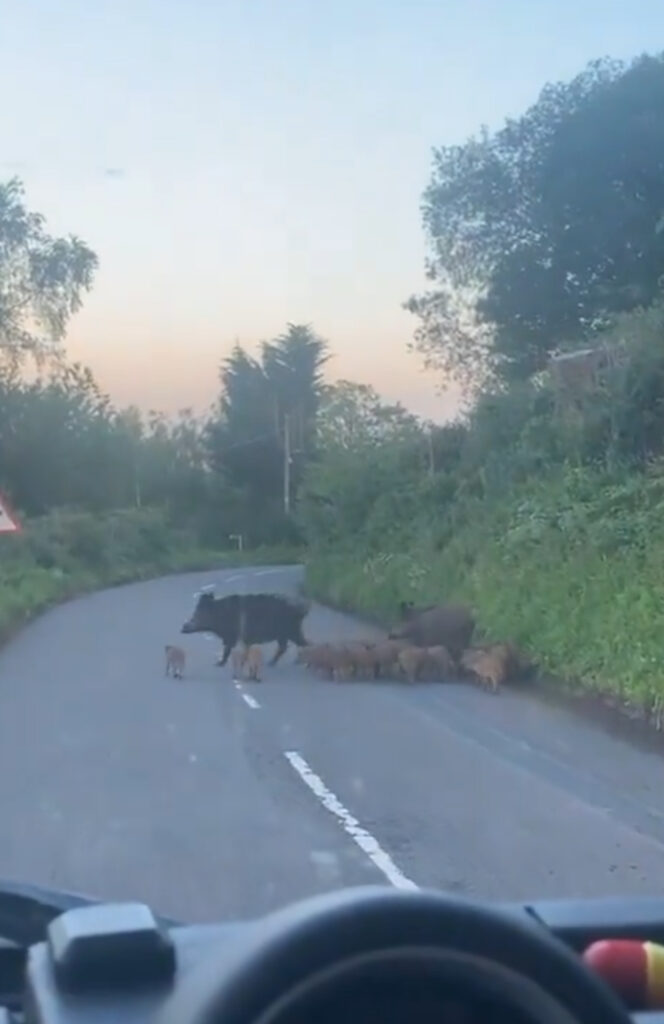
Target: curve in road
(210, 800)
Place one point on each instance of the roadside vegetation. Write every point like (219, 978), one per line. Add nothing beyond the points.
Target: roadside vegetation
(542, 506)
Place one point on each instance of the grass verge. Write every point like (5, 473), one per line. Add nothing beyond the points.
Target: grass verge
(570, 569)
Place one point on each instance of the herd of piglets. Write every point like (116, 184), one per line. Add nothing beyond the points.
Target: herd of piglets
(433, 643)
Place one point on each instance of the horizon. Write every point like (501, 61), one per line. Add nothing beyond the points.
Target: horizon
(241, 165)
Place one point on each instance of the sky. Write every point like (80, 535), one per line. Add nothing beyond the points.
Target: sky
(241, 164)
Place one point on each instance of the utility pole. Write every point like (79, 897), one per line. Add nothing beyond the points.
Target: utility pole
(287, 463)
(137, 479)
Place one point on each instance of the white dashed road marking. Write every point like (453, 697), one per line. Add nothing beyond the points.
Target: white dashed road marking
(366, 842)
(247, 698)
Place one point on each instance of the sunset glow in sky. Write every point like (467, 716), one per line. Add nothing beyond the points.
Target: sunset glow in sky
(237, 164)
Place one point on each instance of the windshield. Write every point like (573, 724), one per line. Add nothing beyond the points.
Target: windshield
(331, 479)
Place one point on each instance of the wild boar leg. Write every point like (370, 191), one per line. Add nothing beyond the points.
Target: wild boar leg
(280, 651)
(226, 653)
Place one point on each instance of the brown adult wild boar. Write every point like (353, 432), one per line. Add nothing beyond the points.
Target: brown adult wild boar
(449, 626)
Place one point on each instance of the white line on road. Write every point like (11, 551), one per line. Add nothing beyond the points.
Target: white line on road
(266, 572)
(247, 698)
(366, 842)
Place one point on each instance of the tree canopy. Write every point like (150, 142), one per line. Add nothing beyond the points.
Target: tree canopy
(367, 448)
(42, 280)
(539, 233)
(353, 417)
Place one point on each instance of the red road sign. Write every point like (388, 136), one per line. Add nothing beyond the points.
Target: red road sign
(9, 522)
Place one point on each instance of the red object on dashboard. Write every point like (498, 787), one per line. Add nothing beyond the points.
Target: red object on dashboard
(633, 969)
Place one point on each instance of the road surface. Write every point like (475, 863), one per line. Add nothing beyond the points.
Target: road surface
(210, 800)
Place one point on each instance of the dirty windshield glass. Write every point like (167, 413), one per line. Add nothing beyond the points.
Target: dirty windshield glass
(331, 449)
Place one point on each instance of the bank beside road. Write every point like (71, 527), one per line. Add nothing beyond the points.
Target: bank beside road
(568, 568)
(209, 800)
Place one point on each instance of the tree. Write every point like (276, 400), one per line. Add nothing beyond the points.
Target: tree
(242, 435)
(257, 397)
(539, 233)
(261, 400)
(293, 365)
(53, 440)
(42, 280)
(62, 443)
(368, 452)
(353, 417)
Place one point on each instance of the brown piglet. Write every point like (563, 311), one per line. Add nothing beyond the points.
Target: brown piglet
(175, 661)
(253, 663)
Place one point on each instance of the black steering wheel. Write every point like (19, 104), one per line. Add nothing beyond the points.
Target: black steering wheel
(340, 956)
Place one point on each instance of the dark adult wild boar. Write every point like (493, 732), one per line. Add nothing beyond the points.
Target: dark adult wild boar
(250, 619)
(449, 626)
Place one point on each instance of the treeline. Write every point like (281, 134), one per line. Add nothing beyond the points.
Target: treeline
(63, 444)
(545, 507)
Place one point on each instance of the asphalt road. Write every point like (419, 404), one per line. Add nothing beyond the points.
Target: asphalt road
(209, 800)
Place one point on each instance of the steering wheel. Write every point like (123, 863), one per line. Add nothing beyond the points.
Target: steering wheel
(344, 951)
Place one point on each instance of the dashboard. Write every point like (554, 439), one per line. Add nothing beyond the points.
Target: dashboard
(367, 955)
